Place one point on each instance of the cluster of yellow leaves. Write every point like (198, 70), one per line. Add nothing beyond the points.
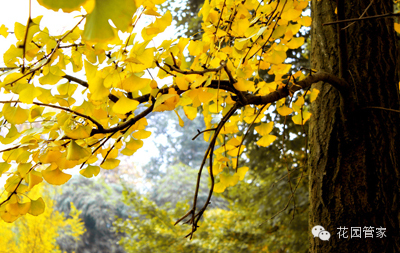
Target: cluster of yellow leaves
(39, 234)
(51, 133)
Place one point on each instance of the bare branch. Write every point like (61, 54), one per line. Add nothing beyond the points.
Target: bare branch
(125, 124)
(99, 126)
(340, 84)
(364, 18)
(194, 72)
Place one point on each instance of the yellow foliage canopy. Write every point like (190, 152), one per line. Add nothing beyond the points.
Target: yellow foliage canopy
(223, 81)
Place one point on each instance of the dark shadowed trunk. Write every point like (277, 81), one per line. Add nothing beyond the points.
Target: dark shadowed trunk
(355, 149)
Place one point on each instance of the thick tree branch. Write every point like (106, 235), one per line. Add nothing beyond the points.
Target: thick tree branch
(125, 124)
(340, 84)
(76, 80)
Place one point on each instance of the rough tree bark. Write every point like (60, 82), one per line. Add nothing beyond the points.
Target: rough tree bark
(355, 149)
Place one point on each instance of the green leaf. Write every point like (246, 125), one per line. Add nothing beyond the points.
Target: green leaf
(76, 152)
(65, 5)
(97, 27)
(37, 207)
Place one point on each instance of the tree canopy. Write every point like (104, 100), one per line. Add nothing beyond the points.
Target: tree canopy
(127, 78)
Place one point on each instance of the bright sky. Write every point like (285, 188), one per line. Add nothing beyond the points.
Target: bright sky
(58, 23)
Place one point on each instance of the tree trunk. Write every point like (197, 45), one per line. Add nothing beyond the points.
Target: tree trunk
(355, 149)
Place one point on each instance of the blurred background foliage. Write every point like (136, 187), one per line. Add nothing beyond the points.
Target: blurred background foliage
(42, 233)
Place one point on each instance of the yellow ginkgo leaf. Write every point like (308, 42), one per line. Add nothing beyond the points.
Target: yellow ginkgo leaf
(65, 5)
(182, 83)
(113, 153)
(265, 141)
(23, 168)
(314, 94)
(241, 172)
(275, 57)
(291, 14)
(396, 27)
(305, 21)
(4, 167)
(35, 178)
(134, 83)
(110, 164)
(152, 12)
(264, 128)
(80, 132)
(141, 134)
(190, 112)
(67, 88)
(229, 180)
(181, 123)
(4, 31)
(134, 144)
(219, 187)
(15, 115)
(96, 86)
(7, 217)
(244, 85)
(18, 208)
(50, 156)
(55, 176)
(297, 119)
(37, 207)
(97, 26)
(204, 95)
(63, 163)
(166, 102)
(219, 168)
(29, 93)
(125, 105)
(295, 43)
(76, 152)
(157, 27)
(90, 171)
(234, 151)
(51, 75)
(11, 136)
(284, 110)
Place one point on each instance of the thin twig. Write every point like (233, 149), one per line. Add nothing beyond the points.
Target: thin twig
(48, 60)
(362, 15)
(365, 18)
(99, 126)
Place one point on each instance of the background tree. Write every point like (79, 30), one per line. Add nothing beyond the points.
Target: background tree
(100, 205)
(41, 233)
(246, 201)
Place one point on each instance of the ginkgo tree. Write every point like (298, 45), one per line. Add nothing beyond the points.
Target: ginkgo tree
(49, 132)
